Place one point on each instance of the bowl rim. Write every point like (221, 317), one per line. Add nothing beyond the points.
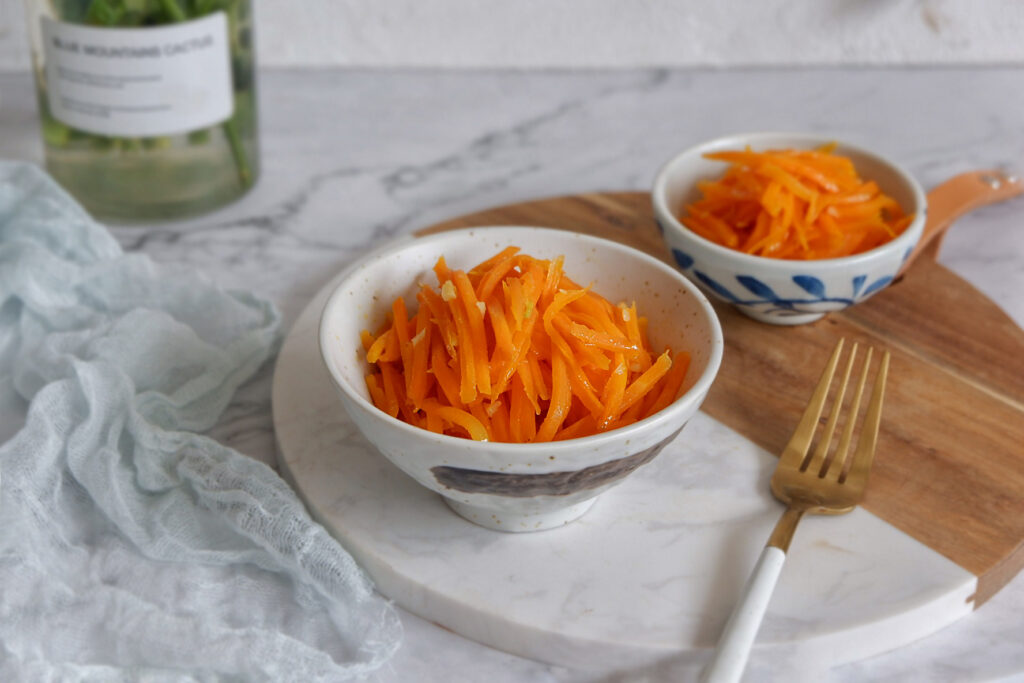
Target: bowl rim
(682, 403)
(908, 238)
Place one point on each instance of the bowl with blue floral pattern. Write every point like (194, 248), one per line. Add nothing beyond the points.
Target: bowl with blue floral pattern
(777, 290)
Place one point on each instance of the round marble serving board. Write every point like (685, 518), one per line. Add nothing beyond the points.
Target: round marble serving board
(653, 569)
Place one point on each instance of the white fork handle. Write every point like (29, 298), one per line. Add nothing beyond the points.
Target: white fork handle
(730, 658)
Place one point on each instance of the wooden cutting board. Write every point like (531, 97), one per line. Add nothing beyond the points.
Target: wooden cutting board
(950, 463)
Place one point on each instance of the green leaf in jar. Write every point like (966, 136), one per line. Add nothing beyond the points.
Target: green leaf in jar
(203, 7)
(173, 11)
(55, 133)
(70, 10)
(105, 12)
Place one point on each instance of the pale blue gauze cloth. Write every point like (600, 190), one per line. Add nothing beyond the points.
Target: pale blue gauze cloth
(131, 546)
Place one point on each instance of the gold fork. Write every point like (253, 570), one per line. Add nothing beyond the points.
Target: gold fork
(819, 483)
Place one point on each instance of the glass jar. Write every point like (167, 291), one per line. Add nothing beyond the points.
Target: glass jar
(148, 107)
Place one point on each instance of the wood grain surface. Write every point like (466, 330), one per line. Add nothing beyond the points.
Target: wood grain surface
(950, 463)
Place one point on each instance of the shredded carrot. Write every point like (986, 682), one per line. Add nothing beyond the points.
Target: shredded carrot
(582, 427)
(793, 204)
(478, 411)
(467, 298)
(418, 380)
(375, 389)
(444, 375)
(670, 386)
(643, 384)
(513, 350)
(457, 417)
(493, 276)
(524, 420)
(378, 347)
(558, 408)
(500, 421)
(539, 379)
(614, 391)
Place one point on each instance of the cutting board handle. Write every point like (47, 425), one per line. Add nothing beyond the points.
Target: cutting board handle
(957, 196)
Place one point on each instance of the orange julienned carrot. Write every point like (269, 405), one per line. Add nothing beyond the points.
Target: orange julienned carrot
(418, 379)
(474, 362)
(644, 383)
(673, 380)
(475, 316)
(614, 390)
(444, 375)
(793, 204)
(558, 407)
(465, 352)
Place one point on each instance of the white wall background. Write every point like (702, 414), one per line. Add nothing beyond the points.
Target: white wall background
(616, 33)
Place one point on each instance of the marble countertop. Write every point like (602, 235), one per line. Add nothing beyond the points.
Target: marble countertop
(353, 158)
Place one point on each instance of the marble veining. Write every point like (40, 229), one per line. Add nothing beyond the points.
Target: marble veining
(353, 158)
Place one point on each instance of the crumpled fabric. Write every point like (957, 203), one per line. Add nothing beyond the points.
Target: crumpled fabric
(132, 547)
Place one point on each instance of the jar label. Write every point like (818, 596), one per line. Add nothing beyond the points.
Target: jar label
(139, 82)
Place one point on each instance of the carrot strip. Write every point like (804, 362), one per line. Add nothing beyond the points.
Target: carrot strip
(538, 376)
(597, 320)
(500, 421)
(506, 253)
(499, 324)
(670, 387)
(521, 343)
(583, 389)
(444, 376)
(400, 321)
(613, 394)
(366, 339)
(631, 323)
(494, 275)
(376, 390)
(584, 426)
(644, 383)
(630, 415)
(551, 280)
(518, 306)
(775, 203)
(478, 411)
(587, 355)
(475, 316)
(522, 419)
(581, 384)
(391, 381)
(466, 355)
(560, 300)
(441, 317)
(641, 322)
(601, 340)
(458, 417)
(561, 394)
(378, 350)
(418, 379)
(405, 409)
(434, 422)
(526, 377)
(441, 271)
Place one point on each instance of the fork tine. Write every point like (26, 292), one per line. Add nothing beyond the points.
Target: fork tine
(865, 455)
(818, 460)
(838, 461)
(796, 449)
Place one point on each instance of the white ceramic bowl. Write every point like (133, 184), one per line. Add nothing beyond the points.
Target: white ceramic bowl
(519, 487)
(781, 291)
